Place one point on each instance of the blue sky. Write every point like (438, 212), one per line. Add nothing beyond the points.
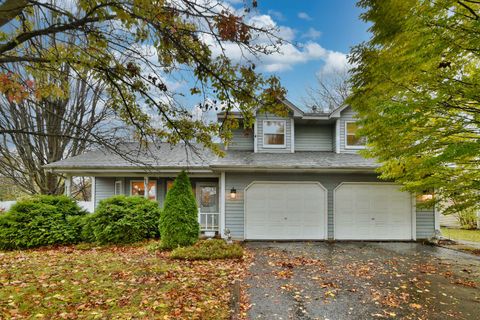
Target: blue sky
(332, 24)
(320, 34)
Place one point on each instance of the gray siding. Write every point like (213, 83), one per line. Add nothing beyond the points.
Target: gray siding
(425, 223)
(104, 188)
(313, 137)
(234, 209)
(347, 115)
(242, 139)
(288, 133)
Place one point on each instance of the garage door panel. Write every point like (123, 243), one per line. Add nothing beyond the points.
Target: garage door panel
(372, 212)
(289, 211)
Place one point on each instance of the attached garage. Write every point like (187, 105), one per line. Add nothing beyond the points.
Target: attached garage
(285, 211)
(372, 211)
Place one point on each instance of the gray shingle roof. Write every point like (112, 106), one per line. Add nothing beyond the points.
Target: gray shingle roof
(297, 160)
(165, 156)
(130, 155)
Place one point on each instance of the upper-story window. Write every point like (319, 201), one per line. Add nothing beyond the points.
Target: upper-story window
(352, 140)
(274, 133)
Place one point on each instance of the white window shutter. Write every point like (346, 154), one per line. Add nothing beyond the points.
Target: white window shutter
(118, 187)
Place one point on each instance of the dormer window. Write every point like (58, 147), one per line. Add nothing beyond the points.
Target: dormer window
(274, 133)
(352, 140)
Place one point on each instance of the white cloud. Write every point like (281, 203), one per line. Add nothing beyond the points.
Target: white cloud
(304, 16)
(276, 14)
(312, 33)
(335, 62)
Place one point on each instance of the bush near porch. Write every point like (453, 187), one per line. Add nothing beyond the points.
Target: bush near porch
(122, 219)
(40, 221)
(179, 218)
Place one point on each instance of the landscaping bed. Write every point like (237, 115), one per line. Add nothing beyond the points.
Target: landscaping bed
(117, 282)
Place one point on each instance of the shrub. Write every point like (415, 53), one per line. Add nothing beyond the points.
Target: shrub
(209, 250)
(468, 218)
(178, 221)
(40, 221)
(122, 219)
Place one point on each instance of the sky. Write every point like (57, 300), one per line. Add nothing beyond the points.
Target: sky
(334, 25)
(323, 32)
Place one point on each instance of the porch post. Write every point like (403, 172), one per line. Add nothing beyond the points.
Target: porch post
(145, 186)
(222, 204)
(68, 185)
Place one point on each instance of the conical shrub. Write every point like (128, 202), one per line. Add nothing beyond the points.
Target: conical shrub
(179, 218)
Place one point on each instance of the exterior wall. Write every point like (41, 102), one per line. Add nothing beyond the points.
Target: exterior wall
(288, 133)
(104, 188)
(242, 140)
(425, 223)
(347, 115)
(317, 137)
(234, 208)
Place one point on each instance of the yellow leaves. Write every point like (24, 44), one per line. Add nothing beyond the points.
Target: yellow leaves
(415, 306)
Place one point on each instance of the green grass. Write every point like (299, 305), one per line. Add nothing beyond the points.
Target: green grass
(112, 282)
(461, 234)
(209, 250)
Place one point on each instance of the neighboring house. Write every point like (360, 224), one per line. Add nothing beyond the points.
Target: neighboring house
(288, 178)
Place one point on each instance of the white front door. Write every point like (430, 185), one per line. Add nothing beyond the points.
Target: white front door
(285, 211)
(372, 211)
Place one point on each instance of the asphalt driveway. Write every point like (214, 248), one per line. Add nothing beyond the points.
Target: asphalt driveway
(362, 280)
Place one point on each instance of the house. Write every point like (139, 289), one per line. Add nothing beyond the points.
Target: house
(288, 178)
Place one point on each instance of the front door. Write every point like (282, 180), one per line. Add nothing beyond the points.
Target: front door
(207, 201)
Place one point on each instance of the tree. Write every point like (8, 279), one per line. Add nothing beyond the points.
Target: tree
(179, 217)
(330, 92)
(416, 89)
(134, 48)
(45, 129)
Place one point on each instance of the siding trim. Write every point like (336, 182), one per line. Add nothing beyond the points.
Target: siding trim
(222, 204)
(337, 136)
(292, 135)
(255, 139)
(412, 213)
(414, 218)
(325, 220)
(94, 192)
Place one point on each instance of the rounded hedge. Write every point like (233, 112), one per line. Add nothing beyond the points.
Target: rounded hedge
(179, 219)
(122, 219)
(39, 221)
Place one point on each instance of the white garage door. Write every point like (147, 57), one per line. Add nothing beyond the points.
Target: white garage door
(372, 212)
(285, 211)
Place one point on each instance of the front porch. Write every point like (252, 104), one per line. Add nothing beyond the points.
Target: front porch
(206, 189)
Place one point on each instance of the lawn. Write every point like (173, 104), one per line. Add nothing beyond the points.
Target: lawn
(114, 282)
(461, 234)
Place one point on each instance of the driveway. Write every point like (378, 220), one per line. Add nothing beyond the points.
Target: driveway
(362, 280)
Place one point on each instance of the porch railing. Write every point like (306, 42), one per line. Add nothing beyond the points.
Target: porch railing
(208, 221)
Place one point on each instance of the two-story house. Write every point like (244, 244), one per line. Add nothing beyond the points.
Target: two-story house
(289, 178)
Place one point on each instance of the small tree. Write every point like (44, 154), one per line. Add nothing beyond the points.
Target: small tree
(178, 220)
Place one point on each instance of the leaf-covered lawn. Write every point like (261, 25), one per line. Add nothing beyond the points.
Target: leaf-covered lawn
(113, 282)
(461, 234)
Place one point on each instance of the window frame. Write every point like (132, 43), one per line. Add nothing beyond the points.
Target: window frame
(142, 181)
(345, 132)
(275, 146)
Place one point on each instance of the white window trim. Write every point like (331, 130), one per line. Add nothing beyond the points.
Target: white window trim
(143, 181)
(275, 146)
(120, 188)
(345, 136)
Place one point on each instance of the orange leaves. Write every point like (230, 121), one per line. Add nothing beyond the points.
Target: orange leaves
(232, 28)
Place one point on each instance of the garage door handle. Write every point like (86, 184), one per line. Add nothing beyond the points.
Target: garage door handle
(373, 219)
(285, 218)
